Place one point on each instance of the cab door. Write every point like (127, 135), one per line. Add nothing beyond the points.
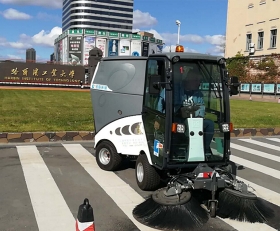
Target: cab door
(153, 113)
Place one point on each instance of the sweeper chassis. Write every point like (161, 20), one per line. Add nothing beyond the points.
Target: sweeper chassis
(204, 183)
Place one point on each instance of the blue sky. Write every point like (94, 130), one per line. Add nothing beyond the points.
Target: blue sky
(36, 23)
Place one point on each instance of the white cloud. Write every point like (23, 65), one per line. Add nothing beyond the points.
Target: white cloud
(215, 39)
(45, 3)
(47, 38)
(13, 57)
(143, 19)
(13, 14)
(43, 38)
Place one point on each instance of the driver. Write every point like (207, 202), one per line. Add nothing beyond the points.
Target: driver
(191, 94)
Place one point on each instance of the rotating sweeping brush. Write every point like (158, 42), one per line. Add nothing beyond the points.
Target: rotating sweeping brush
(179, 212)
(241, 206)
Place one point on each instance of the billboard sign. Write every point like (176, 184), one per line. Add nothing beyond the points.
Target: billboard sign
(135, 48)
(89, 44)
(268, 88)
(145, 49)
(124, 47)
(39, 73)
(152, 48)
(113, 47)
(101, 44)
(75, 50)
(256, 87)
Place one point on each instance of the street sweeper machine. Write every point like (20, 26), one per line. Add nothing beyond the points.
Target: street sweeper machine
(171, 111)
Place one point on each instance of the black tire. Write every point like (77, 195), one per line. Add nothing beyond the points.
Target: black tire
(151, 178)
(212, 209)
(115, 160)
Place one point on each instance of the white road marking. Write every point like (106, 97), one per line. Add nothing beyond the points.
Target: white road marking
(255, 152)
(263, 144)
(256, 167)
(274, 139)
(50, 208)
(123, 195)
(264, 193)
(127, 198)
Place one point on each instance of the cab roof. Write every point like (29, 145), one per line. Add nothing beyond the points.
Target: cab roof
(187, 55)
(169, 55)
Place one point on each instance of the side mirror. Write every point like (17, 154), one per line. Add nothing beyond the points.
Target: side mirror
(234, 85)
(234, 80)
(154, 84)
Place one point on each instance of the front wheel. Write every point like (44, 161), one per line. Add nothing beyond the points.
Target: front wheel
(107, 157)
(147, 177)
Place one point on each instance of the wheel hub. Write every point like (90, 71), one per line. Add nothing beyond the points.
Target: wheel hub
(160, 197)
(104, 156)
(140, 172)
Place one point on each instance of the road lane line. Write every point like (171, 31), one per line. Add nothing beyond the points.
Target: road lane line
(263, 144)
(126, 197)
(256, 167)
(50, 208)
(255, 152)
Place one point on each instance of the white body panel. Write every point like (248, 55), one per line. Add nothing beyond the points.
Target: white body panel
(196, 151)
(127, 135)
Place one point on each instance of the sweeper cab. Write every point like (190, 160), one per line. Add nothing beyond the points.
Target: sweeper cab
(170, 111)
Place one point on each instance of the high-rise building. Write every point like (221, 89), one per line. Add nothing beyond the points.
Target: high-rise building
(52, 58)
(31, 55)
(109, 15)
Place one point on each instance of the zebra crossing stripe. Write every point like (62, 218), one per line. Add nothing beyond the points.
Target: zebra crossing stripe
(50, 208)
(255, 152)
(126, 197)
(274, 139)
(121, 193)
(257, 167)
(263, 144)
(264, 193)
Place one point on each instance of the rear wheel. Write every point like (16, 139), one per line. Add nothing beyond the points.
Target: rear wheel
(107, 157)
(147, 176)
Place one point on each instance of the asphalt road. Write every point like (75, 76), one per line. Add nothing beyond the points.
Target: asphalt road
(42, 186)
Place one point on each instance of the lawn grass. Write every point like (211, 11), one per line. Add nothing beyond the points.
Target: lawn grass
(37, 110)
(254, 114)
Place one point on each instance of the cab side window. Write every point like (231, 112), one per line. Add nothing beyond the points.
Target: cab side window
(155, 101)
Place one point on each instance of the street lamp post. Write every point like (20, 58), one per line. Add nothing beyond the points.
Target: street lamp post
(178, 23)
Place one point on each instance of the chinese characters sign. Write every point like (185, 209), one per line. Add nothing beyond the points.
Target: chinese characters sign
(41, 73)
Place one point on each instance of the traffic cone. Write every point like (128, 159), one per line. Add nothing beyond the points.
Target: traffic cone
(85, 218)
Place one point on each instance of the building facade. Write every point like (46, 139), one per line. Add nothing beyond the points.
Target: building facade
(253, 27)
(31, 55)
(108, 15)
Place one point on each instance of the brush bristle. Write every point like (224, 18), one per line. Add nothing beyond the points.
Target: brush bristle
(242, 209)
(174, 217)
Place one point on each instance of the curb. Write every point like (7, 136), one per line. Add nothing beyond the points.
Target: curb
(33, 137)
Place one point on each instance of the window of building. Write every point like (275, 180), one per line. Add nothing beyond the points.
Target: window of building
(248, 41)
(273, 38)
(251, 5)
(260, 40)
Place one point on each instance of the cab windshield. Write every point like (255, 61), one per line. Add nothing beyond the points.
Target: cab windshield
(198, 111)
